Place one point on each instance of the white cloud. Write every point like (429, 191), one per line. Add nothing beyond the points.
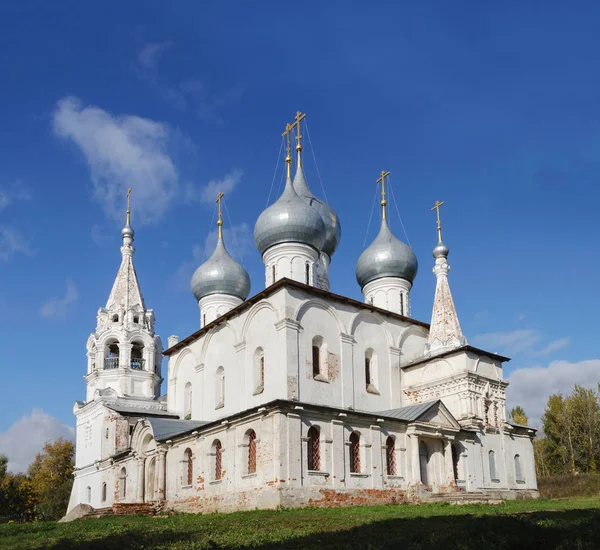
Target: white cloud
(56, 308)
(149, 56)
(238, 241)
(27, 436)
(525, 341)
(17, 191)
(208, 193)
(12, 242)
(531, 387)
(122, 151)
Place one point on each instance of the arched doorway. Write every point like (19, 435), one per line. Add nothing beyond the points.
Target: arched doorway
(423, 462)
(151, 481)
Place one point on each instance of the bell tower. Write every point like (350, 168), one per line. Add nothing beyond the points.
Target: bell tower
(124, 354)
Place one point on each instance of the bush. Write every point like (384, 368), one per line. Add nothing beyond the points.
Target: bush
(577, 485)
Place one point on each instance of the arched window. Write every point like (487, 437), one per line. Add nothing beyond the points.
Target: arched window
(136, 319)
(307, 274)
(137, 356)
(371, 371)
(111, 361)
(188, 467)
(273, 272)
(493, 473)
(314, 449)
(220, 388)
(259, 370)
(88, 494)
(187, 404)
(218, 454)
(123, 483)
(251, 435)
(354, 453)
(104, 492)
(317, 357)
(115, 318)
(390, 456)
(518, 471)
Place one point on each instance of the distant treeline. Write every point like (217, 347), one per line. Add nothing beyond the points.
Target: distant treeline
(43, 493)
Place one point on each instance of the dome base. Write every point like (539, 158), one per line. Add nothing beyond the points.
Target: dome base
(215, 305)
(295, 261)
(389, 293)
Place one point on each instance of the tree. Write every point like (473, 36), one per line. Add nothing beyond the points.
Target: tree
(51, 478)
(3, 467)
(558, 447)
(584, 412)
(518, 415)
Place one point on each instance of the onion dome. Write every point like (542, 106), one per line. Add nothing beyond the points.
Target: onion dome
(440, 250)
(127, 231)
(289, 220)
(220, 274)
(333, 229)
(387, 256)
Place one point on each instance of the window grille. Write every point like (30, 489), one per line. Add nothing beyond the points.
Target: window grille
(314, 449)
(390, 455)
(262, 370)
(218, 460)
(252, 452)
(354, 453)
(189, 458)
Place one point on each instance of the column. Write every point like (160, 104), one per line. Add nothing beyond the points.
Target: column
(415, 468)
(448, 464)
(124, 355)
(161, 470)
(347, 370)
(295, 449)
(395, 373)
(377, 465)
(338, 452)
(139, 494)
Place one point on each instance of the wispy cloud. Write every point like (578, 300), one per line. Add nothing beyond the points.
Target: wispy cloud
(56, 308)
(27, 436)
(531, 387)
(122, 151)
(208, 193)
(525, 341)
(194, 94)
(238, 240)
(12, 242)
(16, 191)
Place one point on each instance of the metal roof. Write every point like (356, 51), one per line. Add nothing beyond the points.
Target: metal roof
(139, 411)
(166, 428)
(410, 412)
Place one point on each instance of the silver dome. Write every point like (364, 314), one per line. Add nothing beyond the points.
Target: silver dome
(440, 250)
(386, 257)
(333, 229)
(128, 231)
(289, 220)
(220, 274)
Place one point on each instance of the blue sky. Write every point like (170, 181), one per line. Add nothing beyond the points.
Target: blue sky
(493, 109)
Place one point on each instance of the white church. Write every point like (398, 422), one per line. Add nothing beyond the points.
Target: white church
(295, 396)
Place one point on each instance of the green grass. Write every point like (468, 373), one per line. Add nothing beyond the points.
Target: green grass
(573, 523)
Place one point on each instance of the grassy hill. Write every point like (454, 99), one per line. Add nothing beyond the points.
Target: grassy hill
(564, 524)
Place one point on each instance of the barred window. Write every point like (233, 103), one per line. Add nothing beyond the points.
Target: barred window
(314, 449)
(103, 492)
(188, 466)
(251, 451)
(218, 452)
(354, 453)
(390, 456)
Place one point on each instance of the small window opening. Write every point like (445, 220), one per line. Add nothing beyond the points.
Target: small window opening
(189, 466)
(104, 492)
(251, 452)
(218, 450)
(115, 318)
(316, 360)
(273, 272)
(368, 370)
(307, 274)
(314, 449)
(390, 456)
(136, 319)
(354, 453)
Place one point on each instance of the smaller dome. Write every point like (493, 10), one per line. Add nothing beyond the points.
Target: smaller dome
(289, 220)
(440, 250)
(127, 231)
(333, 229)
(387, 256)
(220, 274)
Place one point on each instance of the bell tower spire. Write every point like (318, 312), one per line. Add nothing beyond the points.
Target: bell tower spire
(445, 331)
(124, 354)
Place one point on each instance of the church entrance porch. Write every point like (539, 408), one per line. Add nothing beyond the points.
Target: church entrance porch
(432, 464)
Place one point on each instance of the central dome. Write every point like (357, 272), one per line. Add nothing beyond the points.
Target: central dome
(387, 256)
(220, 274)
(333, 229)
(289, 220)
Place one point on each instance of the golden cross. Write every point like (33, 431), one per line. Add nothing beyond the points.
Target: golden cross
(128, 205)
(299, 117)
(288, 158)
(381, 179)
(220, 222)
(436, 207)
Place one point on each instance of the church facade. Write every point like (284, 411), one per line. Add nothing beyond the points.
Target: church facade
(296, 396)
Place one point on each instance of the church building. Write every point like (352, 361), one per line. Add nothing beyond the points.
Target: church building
(296, 396)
